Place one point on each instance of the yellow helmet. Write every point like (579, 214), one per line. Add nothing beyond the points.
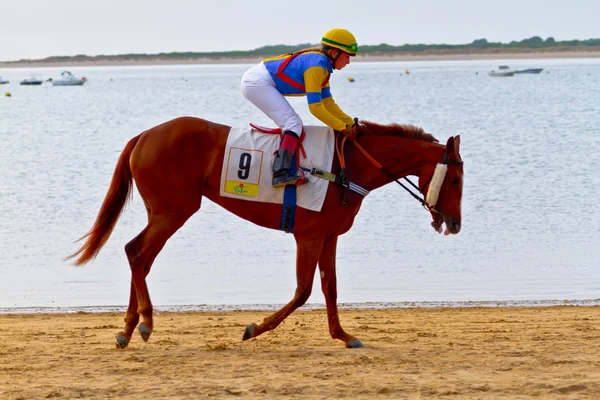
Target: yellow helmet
(341, 39)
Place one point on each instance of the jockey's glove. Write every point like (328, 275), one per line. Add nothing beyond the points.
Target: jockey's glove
(349, 132)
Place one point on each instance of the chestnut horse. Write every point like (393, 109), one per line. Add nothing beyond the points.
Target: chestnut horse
(176, 163)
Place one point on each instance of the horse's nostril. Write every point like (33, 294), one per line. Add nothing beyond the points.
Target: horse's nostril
(456, 226)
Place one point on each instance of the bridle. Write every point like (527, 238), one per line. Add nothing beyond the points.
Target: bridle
(440, 174)
(444, 162)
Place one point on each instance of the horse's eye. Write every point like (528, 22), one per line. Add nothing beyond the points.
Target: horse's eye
(455, 181)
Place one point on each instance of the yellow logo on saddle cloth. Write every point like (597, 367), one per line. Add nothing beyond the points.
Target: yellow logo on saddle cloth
(244, 167)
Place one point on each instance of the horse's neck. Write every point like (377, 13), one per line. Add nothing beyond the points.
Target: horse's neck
(400, 156)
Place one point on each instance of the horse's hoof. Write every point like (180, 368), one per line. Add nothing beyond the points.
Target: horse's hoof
(355, 344)
(249, 332)
(122, 341)
(144, 331)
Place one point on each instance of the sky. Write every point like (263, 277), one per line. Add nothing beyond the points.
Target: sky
(40, 28)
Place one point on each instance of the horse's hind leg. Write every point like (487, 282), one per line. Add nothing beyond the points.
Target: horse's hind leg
(307, 255)
(131, 316)
(141, 253)
(131, 319)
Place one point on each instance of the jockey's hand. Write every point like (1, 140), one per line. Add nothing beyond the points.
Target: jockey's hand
(349, 132)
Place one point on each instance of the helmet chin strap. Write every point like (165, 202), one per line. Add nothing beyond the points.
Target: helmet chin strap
(334, 59)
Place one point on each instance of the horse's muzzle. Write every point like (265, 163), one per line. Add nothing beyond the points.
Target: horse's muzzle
(452, 226)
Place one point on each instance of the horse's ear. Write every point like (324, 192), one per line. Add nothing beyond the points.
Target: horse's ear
(457, 143)
(450, 145)
(453, 145)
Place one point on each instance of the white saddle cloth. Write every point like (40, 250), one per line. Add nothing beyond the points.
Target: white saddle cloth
(247, 167)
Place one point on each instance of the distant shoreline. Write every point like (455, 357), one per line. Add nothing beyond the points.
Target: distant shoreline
(430, 56)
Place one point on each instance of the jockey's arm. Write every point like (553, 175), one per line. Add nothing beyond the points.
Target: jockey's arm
(333, 108)
(313, 79)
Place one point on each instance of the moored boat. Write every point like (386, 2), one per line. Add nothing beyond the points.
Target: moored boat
(503, 71)
(68, 79)
(33, 81)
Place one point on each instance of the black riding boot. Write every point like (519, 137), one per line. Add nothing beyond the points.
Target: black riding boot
(281, 169)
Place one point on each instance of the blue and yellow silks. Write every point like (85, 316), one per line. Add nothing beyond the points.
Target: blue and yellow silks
(307, 73)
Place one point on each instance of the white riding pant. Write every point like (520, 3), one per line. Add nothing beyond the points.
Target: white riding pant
(258, 87)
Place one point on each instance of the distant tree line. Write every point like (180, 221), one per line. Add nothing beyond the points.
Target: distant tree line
(478, 45)
(534, 42)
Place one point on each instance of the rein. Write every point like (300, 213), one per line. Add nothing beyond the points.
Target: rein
(339, 146)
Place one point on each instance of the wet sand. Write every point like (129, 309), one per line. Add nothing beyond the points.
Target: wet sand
(461, 353)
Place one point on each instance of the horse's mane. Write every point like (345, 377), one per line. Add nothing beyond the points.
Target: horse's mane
(401, 130)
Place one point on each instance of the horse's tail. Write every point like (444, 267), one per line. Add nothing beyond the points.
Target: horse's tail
(114, 203)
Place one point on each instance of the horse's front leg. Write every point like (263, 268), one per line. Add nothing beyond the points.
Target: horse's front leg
(329, 287)
(307, 255)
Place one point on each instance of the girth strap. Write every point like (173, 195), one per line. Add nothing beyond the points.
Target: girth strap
(288, 209)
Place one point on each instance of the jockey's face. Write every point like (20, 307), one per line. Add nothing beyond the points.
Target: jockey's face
(343, 59)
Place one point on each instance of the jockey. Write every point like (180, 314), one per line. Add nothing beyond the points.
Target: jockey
(304, 73)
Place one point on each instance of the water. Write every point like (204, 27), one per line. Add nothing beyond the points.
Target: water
(530, 224)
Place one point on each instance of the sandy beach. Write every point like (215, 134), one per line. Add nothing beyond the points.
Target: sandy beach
(422, 56)
(466, 353)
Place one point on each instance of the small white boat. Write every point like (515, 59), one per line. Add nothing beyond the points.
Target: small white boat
(502, 71)
(68, 79)
(3, 81)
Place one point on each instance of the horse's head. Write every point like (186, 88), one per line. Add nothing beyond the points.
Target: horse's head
(440, 169)
(442, 189)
